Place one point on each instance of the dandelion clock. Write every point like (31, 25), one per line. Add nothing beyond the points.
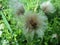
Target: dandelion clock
(16, 6)
(47, 7)
(34, 23)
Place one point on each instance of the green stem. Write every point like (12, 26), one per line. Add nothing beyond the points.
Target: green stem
(6, 23)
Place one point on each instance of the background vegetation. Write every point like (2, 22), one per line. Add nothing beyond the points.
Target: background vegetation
(12, 33)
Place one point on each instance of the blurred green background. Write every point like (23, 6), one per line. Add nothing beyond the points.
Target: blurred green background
(11, 33)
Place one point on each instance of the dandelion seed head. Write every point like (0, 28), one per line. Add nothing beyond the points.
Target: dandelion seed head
(47, 7)
(16, 6)
(34, 23)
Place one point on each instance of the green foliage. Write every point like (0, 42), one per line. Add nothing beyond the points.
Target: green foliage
(12, 31)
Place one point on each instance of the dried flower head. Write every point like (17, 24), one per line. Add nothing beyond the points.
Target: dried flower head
(34, 23)
(16, 6)
(47, 7)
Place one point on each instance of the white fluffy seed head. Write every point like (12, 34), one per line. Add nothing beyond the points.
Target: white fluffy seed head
(34, 23)
(47, 7)
(16, 6)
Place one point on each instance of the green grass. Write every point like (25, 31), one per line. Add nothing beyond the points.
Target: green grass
(13, 31)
